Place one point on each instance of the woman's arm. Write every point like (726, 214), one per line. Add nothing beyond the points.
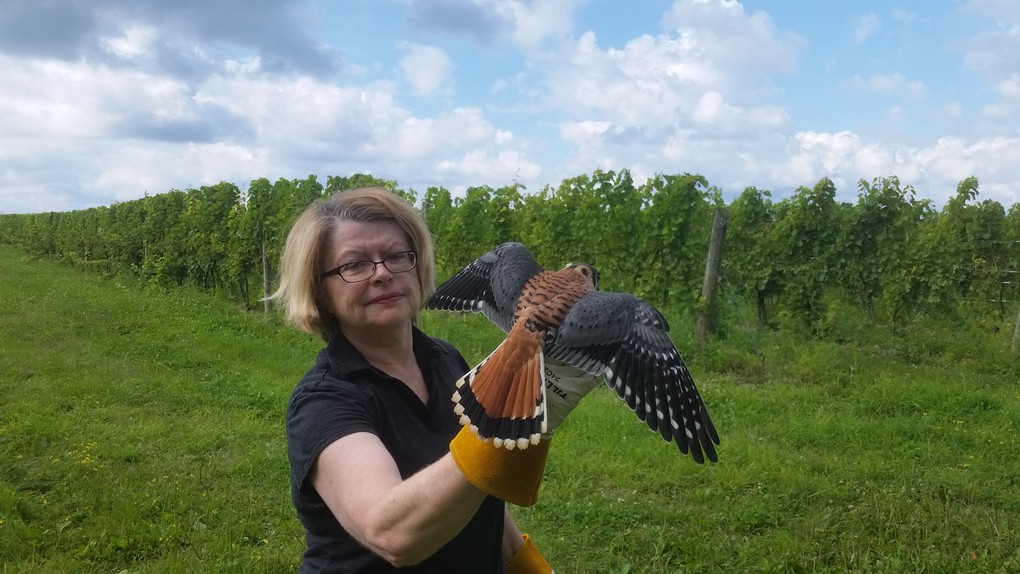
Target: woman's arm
(512, 538)
(403, 521)
(519, 552)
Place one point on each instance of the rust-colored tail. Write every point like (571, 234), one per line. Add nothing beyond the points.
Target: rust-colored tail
(503, 398)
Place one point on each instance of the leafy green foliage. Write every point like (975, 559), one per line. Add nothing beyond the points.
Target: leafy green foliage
(877, 245)
(805, 240)
(890, 254)
(748, 259)
(677, 223)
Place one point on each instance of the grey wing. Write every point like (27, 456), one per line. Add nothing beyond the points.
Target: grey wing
(490, 284)
(627, 341)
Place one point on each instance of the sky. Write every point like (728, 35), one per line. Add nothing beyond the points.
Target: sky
(107, 101)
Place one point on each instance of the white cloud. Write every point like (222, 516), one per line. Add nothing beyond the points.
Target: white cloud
(583, 131)
(428, 69)
(144, 107)
(896, 114)
(865, 27)
(655, 80)
(504, 137)
(711, 108)
(460, 128)
(845, 158)
(1009, 87)
(481, 166)
(131, 170)
(136, 43)
(993, 160)
(827, 151)
(715, 117)
(892, 85)
(533, 23)
(59, 100)
(88, 117)
(358, 123)
(731, 41)
(75, 132)
(690, 99)
(904, 16)
(997, 113)
(649, 78)
(996, 49)
(707, 46)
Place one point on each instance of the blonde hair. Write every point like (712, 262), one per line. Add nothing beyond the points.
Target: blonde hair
(300, 289)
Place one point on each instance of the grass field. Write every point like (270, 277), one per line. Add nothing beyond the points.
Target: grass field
(142, 431)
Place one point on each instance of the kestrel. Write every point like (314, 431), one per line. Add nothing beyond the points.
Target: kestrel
(561, 316)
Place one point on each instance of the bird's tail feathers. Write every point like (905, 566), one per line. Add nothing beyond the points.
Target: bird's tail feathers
(503, 397)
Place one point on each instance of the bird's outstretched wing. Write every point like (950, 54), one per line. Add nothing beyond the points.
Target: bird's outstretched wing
(627, 340)
(615, 335)
(491, 285)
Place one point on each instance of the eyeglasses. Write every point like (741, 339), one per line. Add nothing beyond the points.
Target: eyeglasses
(361, 270)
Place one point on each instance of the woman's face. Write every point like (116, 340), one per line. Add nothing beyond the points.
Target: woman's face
(385, 301)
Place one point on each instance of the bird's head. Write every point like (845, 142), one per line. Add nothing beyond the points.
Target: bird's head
(588, 271)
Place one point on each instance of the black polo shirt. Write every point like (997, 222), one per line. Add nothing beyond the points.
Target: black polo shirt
(342, 394)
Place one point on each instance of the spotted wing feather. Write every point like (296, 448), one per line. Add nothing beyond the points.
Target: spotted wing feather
(490, 285)
(627, 341)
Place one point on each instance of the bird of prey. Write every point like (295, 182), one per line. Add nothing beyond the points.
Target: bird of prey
(560, 317)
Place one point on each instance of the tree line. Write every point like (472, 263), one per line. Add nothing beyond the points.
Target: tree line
(889, 253)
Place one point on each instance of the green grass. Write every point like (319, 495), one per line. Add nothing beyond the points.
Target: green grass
(142, 431)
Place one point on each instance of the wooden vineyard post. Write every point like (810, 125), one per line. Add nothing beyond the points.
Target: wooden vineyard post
(1016, 335)
(265, 277)
(711, 283)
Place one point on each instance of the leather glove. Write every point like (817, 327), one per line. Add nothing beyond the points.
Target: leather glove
(528, 560)
(510, 475)
(565, 386)
(514, 475)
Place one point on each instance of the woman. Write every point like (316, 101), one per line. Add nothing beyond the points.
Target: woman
(382, 475)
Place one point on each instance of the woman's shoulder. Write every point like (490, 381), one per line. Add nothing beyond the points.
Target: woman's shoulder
(441, 350)
(445, 345)
(323, 380)
(324, 400)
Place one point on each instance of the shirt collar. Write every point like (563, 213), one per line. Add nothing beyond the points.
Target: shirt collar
(345, 358)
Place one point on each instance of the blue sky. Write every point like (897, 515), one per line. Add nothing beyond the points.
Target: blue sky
(108, 100)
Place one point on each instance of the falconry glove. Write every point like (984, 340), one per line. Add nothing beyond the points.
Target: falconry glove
(528, 560)
(565, 386)
(510, 475)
